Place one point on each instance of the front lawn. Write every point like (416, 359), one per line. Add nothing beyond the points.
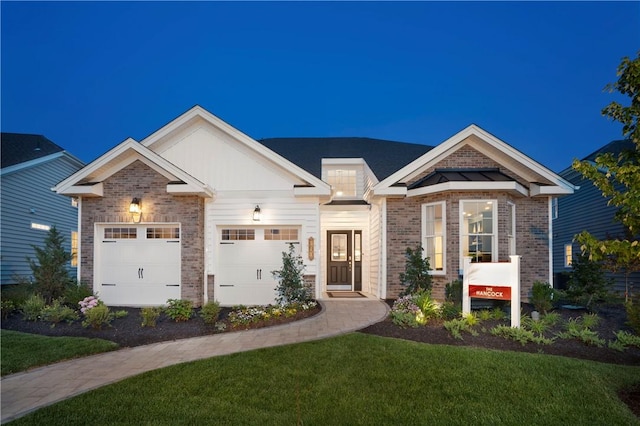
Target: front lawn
(21, 351)
(360, 379)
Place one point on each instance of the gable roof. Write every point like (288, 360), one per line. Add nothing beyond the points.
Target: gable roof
(542, 181)
(382, 156)
(19, 148)
(88, 180)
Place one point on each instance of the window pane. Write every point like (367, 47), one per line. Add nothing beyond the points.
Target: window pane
(339, 247)
(343, 182)
(477, 229)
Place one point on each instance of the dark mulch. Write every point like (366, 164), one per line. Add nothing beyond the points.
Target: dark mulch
(127, 332)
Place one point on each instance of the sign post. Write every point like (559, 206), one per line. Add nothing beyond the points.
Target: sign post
(498, 281)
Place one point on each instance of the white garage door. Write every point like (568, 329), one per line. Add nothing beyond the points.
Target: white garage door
(138, 265)
(246, 257)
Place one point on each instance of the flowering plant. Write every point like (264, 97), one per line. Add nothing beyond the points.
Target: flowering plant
(87, 303)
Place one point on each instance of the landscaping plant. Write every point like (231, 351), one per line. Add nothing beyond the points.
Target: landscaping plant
(179, 310)
(416, 276)
(210, 312)
(97, 316)
(50, 274)
(149, 316)
(58, 312)
(632, 306)
(32, 307)
(542, 295)
(587, 284)
(291, 287)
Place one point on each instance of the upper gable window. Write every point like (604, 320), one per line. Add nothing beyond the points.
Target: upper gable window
(343, 182)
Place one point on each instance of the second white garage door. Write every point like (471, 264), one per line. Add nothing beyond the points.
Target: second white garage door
(246, 258)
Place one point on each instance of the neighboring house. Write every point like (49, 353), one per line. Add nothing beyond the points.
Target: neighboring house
(200, 211)
(587, 210)
(31, 166)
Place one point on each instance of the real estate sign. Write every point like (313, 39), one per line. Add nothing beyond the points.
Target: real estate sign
(498, 281)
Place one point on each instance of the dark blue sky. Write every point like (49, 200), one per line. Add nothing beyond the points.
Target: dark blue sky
(88, 75)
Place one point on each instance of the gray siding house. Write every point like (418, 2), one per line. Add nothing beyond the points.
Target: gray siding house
(586, 209)
(31, 166)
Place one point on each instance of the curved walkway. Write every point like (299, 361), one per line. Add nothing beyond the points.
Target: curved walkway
(37, 388)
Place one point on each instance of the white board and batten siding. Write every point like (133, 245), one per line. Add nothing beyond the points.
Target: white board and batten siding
(242, 268)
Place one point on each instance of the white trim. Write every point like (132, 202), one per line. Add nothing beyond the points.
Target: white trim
(79, 226)
(383, 250)
(469, 186)
(443, 234)
(95, 190)
(494, 225)
(550, 190)
(512, 207)
(37, 161)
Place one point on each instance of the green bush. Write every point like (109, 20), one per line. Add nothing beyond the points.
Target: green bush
(416, 276)
(429, 308)
(179, 310)
(633, 313)
(76, 292)
(404, 312)
(32, 307)
(291, 287)
(57, 312)
(7, 307)
(542, 296)
(97, 316)
(210, 312)
(453, 292)
(457, 326)
(587, 285)
(449, 311)
(50, 273)
(150, 316)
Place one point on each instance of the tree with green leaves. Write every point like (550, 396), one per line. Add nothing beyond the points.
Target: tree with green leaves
(291, 287)
(618, 178)
(416, 276)
(50, 273)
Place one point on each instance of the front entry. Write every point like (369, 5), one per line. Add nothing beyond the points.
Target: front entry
(344, 260)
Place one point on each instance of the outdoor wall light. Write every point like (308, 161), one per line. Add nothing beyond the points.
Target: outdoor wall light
(256, 214)
(135, 210)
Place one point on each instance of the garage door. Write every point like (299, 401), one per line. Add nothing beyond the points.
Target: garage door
(246, 257)
(139, 265)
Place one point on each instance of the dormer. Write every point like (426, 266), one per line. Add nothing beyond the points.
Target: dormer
(350, 179)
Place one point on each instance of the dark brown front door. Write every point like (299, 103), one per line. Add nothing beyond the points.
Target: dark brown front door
(344, 260)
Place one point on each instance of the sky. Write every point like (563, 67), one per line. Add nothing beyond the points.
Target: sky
(88, 75)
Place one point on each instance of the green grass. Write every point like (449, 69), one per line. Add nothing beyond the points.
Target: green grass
(21, 351)
(359, 379)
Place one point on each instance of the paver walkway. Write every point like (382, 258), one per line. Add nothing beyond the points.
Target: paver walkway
(28, 391)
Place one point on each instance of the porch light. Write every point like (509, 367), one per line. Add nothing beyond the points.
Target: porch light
(256, 214)
(135, 210)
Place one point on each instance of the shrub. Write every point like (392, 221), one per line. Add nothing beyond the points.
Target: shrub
(542, 296)
(457, 326)
(120, 314)
(623, 340)
(291, 287)
(179, 310)
(57, 312)
(633, 313)
(50, 273)
(7, 307)
(587, 284)
(32, 307)
(76, 292)
(521, 335)
(150, 316)
(210, 312)
(97, 316)
(449, 311)
(88, 303)
(404, 312)
(429, 308)
(416, 276)
(453, 292)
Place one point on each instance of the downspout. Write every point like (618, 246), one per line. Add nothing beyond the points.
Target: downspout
(382, 288)
(550, 216)
(79, 252)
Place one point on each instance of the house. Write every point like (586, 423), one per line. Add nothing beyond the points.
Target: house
(198, 210)
(31, 166)
(587, 210)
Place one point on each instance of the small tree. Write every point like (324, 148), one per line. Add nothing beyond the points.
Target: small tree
(416, 275)
(291, 287)
(618, 178)
(50, 273)
(587, 283)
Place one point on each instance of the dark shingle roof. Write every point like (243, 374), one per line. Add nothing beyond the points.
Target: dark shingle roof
(18, 148)
(383, 157)
(461, 175)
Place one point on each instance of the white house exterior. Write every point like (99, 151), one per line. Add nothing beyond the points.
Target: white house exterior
(201, 185)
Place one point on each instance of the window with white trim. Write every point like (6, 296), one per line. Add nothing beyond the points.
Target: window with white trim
(74, 248)
(511, 228)
(343, 182)
(568, 255)
(433, 235)
(478, 230)
(40, 226)
(281, 234)
(554, 208)
(238, 234)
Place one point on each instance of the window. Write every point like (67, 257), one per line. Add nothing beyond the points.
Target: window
(568, 255)
(343, 182)
(74, 202)
(121, 233)
(74, 248)
(281, 234)
(433, 235)
(511, 228)
(478, 224)
(164, 233)
(554, 208)
(238, 234)
(40, 226)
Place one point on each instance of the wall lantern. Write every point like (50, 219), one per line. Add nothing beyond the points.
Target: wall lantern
(256, 214)
(135, 210)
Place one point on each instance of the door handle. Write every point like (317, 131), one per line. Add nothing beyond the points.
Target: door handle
(141, 273)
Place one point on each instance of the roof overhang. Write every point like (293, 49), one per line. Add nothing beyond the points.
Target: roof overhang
(504, 186)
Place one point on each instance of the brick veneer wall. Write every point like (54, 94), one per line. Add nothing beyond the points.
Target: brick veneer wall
(139, 180)
(404, 228)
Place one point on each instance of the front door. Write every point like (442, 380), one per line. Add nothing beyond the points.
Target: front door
(344, 260)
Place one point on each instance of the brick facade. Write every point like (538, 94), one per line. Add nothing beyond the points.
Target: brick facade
(532, 227)
(139, 180)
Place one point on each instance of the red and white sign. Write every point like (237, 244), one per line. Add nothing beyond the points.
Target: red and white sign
(490, 292)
